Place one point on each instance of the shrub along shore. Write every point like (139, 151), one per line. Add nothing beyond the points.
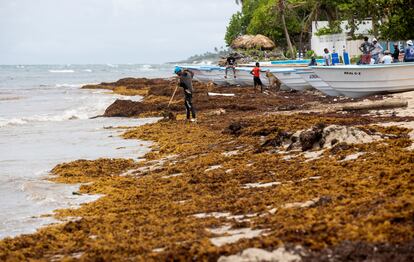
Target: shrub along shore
(291, 174)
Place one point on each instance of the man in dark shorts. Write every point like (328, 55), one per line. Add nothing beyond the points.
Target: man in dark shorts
(231, 64)
(186, 82)
(366, 49)
(256, 77)
(396, 54)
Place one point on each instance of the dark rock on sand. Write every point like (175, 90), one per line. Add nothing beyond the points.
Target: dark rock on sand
(125, 108)
(340, 147)
(277, 140)
(234, 128)
(310, 137)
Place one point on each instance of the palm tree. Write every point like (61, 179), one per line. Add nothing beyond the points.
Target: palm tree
(281, 9)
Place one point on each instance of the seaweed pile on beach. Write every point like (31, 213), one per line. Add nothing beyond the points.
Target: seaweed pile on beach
(157, 93)
(283, 175)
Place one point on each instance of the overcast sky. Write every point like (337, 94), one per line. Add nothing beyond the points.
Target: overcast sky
(110, 31)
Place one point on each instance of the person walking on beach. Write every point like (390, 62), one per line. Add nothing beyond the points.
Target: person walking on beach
(327, 57)
(186, 82)
(256, 77)
(366, 49)
(231, 64)
(409, 52)
(396, 54)
(376, 51)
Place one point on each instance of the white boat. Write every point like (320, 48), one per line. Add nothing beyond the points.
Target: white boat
(316, 82)
(290, 78)
(364, 80)
(218, 76)
(283, 63)
(243, 76)
(215, 74)
(201, 73)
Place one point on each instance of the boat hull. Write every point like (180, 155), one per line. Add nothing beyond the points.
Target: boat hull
(244, 78)
(291, 79)
(316, 82)
(360, 81)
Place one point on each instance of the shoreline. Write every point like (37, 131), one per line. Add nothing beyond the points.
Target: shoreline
(229, 183)
(38, 195)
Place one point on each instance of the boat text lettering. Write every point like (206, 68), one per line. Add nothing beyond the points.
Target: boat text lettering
(313, 77)
(352, 73)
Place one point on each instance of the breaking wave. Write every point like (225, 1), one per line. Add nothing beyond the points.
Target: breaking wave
(146, 68)
(83, 112)
(70, 85)
(62, 71)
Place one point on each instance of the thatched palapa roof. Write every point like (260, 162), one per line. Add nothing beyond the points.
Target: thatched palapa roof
(253, 42)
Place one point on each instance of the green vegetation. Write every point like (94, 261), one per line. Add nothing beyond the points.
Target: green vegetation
(288, 22)
(207, 56)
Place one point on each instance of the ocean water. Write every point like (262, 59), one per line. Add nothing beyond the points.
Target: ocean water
(44, 121)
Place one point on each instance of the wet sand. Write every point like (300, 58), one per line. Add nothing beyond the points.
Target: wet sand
(290, 174)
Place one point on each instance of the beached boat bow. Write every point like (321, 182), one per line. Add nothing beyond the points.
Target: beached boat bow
(290, 78)
(316, 82)
(364, 80)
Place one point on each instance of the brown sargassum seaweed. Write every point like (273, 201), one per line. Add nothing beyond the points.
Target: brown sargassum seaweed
(148, 213)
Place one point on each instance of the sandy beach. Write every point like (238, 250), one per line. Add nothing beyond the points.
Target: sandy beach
(288, 176)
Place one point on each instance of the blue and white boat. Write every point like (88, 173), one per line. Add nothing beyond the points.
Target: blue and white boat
(216, 75)
(364, 80)
(245, 78)
(202, 73)
(281, 63)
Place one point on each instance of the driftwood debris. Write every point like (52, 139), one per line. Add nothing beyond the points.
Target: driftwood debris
(373, 105)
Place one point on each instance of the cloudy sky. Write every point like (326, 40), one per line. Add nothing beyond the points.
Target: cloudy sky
(110, 31)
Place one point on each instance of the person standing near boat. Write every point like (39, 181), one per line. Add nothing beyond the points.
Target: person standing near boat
(377, 50)
(231, 64)
(327, 57)
(186, 82)
(313, 61)
(409, 52)
(396, 54)
(256, 77)
(366, 49)
(387, 58)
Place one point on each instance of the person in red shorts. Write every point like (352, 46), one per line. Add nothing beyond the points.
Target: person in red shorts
(256, 77)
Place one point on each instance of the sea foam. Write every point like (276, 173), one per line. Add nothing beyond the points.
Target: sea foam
(146, 68)
(62, 71)
(83, 112)
(70, 85)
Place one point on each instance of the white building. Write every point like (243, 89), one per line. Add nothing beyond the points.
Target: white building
(338, 42)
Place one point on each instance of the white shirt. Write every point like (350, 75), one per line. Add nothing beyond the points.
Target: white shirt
(387, 59)
(327, 59)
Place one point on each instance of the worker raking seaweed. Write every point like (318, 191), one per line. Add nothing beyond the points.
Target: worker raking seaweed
(186, 82)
